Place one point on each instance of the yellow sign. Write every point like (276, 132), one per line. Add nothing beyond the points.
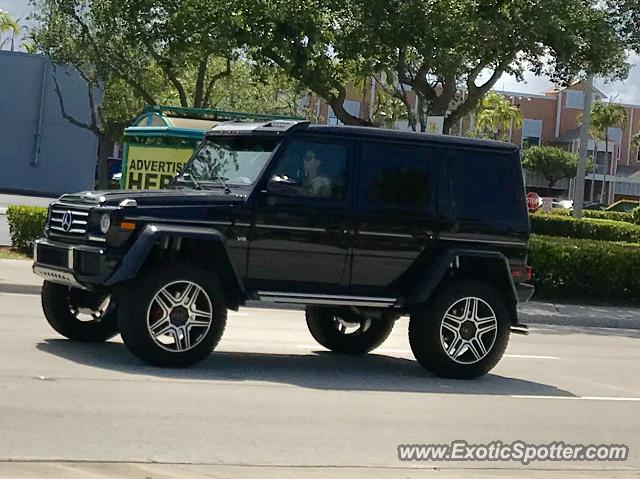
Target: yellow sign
(152, 168)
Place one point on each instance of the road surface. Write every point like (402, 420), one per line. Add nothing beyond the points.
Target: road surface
(271, 403)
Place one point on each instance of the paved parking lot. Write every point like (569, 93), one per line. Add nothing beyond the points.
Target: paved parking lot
(270, 402)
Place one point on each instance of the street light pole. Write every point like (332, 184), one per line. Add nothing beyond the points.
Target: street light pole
(578, 195)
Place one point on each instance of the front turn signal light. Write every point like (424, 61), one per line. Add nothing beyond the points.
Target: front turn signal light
(128, 226)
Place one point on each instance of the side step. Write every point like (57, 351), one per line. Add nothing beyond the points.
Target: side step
(520, 329)
(325, 299)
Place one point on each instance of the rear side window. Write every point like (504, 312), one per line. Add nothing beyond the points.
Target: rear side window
(394, 176)
(482, 185)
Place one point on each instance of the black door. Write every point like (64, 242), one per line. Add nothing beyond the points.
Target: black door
(303, 220)
(396, 214)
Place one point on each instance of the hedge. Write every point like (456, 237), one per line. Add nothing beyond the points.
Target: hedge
(585, 270)
(636, 216)
(586, 228)
(26, 224)
(594, 214)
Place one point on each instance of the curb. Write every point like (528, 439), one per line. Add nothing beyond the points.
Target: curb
(612, 323)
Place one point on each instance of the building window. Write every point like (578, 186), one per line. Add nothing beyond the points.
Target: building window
(575, 99)
(531, 133)
(352, 107)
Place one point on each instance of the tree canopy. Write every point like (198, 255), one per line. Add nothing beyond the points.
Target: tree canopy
(554, 164)
(449, 52)
(494, 117)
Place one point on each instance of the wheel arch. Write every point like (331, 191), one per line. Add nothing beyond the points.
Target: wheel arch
(486, 266)
(205, 247)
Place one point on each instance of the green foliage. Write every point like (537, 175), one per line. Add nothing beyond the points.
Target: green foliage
(586, 228)
(552, 163)
(594, 214)
(26, 224)
(8, 25)
(636, 216)
(585, 270)
(494, 115)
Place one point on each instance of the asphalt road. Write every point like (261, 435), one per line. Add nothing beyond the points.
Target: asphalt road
(5, 201)
(271, 403)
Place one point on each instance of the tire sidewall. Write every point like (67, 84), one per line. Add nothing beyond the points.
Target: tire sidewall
(132, 314)
(425, 326)
(56, 307)
(321, 324)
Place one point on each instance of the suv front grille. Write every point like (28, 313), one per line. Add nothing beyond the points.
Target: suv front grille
(71, 221)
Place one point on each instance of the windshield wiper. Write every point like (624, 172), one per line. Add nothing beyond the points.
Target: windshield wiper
(222, 179)
(191, 180)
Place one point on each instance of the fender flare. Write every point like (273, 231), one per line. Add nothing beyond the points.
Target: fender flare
(135, 257)
(437, 271)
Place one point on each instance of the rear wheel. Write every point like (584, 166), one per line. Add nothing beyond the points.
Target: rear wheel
(345, 331)
(79, 315)
(463, 332)
(172, 315)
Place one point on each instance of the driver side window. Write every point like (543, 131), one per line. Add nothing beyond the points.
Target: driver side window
(313, 170)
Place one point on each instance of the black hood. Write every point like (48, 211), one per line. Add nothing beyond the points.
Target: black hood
(156, 197)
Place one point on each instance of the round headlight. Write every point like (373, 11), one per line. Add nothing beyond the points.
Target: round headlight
(105, 223)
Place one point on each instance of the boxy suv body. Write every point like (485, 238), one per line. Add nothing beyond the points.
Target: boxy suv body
(360, 225)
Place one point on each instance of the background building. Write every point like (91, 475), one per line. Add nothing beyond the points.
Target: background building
(40, 151)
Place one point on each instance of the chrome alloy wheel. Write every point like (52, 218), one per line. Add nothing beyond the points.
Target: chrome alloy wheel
(90, 315)
(349, 328)
(468, 330)
(179, 316)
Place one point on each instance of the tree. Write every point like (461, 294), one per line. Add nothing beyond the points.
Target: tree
(449, 53)
(552, 163)
(603, 117)
(149, 52)
(8, 24)
(495, 115)
(305, 38)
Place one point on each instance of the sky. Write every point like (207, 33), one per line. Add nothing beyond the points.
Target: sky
(625, 92)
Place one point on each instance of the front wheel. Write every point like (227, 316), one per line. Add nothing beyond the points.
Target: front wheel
(463, 332)
(79, 315)
(345, 331)
(172, 316)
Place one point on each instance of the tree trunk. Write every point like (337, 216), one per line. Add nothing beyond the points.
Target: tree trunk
(606, 162)
(105, 148)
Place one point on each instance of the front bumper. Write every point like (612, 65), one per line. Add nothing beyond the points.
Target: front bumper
(78, 266)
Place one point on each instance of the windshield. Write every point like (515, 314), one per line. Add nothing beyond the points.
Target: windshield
(231, 161)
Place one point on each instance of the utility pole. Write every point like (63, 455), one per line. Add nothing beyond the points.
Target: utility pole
(578, 195)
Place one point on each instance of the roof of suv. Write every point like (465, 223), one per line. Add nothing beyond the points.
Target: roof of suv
(364, 131)
(281, 127)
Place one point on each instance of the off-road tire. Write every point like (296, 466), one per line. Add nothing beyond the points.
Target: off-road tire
(425, 330)
(133, 308)
(324, 329)
(57, 307)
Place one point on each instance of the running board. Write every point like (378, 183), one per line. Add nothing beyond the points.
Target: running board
(326, 299)
(520, 329)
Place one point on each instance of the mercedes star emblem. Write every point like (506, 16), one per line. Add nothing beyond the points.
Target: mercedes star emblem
(67, 220)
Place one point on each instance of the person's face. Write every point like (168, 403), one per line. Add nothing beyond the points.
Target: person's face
(311, 163)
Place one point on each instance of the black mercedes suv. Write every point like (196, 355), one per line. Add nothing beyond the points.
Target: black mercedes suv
(360, 225)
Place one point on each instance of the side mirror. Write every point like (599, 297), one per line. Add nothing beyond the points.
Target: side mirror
(282, 185)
